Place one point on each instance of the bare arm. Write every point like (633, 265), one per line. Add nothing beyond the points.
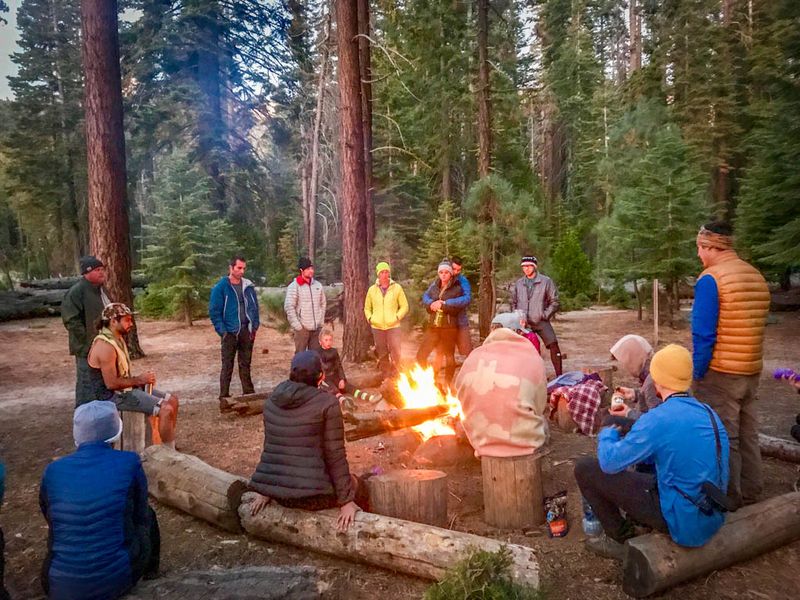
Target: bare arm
(103, 355)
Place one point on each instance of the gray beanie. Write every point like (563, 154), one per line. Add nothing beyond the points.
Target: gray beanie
(96, 421)
(509, 320)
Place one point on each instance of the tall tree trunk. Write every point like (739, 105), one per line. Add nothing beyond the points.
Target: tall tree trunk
(353, 193)
(105, 151)
(313, 182)
(487, 214)
(635, 18)
(365, 70)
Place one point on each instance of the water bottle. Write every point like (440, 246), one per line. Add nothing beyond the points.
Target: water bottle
(591, 525)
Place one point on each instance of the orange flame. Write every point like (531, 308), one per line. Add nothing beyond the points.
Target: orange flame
(418, 390)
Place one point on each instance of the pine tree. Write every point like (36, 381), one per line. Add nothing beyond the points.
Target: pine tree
(570, 267)
(186, 243)
(442, 239)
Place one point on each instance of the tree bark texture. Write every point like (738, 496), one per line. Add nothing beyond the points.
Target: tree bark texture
(105, 151)
(353, 193)
(513, 496)
(785, 450)
(413, 548)
(635, 18)
(365, 68)
(418, 495)
(488, 212)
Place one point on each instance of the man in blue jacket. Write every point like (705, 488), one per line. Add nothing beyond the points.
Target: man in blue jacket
(463, 341)
(103, 534)
(688, 445)
(233, 310)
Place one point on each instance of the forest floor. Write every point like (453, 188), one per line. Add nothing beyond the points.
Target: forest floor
(36, 401)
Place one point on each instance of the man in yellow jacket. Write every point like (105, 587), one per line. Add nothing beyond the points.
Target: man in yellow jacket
(385, 306)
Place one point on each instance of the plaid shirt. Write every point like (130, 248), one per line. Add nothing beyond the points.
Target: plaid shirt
(584, 400)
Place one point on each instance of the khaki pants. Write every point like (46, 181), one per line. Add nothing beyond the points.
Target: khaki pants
(733, 397)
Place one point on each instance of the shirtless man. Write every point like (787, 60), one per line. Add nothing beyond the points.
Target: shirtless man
(110, 374)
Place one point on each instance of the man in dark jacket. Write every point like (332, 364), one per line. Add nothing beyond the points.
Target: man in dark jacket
(103, 534)
(304, 464)
(233, 309)
(535, 296)
(80, 311)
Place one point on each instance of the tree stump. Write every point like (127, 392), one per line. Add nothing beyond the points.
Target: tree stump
(413, 495)
(512, 491)
(134, 431)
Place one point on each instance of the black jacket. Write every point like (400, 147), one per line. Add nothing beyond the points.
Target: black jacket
(331, 366)
(451, 313)
(304, 451)
(80, 312)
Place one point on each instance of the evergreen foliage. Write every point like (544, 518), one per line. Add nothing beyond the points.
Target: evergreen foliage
(443, 239)
(187, 244)
(570, 267)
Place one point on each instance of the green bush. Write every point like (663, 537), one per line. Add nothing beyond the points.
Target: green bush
(482, 576)
(578, 302)
(571, 269)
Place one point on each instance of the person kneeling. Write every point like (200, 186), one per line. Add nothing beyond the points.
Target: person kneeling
(686, 441)
(110, 375)
(103, 534)
(304, 463)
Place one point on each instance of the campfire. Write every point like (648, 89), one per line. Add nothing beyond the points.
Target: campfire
(418, 389)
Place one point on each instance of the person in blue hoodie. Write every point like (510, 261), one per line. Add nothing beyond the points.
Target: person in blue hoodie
(686, 442)
(103, 535)
(233, 309)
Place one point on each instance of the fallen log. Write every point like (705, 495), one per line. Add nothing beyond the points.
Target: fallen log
(26, 305)
(247, 405)
(64, 283)
(413, 548)
(366, 379)
(781, 449)
(186, 482)
(654, 563)
(377, 423)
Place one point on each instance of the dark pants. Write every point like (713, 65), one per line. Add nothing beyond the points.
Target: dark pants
(733, 397)
(635, 493)
(443, 340)
(3, 592)
(325, 501)
(464, 341)
(388, 343)
(83, 385)
(233, 344)
(146, 555)
(306, 339)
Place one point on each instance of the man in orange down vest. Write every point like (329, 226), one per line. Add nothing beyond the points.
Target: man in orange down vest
(731, 303)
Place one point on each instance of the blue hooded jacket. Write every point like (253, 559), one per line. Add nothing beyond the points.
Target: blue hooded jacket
(223, 307)
(93, 500)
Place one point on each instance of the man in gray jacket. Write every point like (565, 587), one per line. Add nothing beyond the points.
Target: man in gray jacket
(305, 307)
(535, 296)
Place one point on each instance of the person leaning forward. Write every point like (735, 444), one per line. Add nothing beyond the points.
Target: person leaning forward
(110, 374)
(731, 304)
(233, 309)
(305, 305)
(80, 312)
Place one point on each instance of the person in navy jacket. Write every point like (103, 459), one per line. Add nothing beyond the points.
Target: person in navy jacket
(688, 445)
(103, 535)
(233, 309)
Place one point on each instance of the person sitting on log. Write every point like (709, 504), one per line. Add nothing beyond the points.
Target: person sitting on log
(110, 375)
(686, 441)
(304, 463)
(634, 354)
(103, 534)
(515, 321)
(335, 380)
(503, 393)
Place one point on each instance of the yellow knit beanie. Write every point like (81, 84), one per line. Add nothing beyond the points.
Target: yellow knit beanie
(382, 266)
(671, 367)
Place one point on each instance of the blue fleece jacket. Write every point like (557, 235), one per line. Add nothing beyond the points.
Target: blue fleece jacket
(93, 500)
(678, 437)
(705, 316)
(223, 307)
(459, 302)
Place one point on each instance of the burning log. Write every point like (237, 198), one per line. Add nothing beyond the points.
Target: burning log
(778, 448)
(417, 495)
(186, 482)
(413, 548)
(377, 423)
(513, 496)
(653, 563)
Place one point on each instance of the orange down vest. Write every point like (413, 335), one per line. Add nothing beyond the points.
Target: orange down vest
(743, 307)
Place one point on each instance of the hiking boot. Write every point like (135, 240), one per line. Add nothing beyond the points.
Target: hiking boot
(606, 547)
(223, 404)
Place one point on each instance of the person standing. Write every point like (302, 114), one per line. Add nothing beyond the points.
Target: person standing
(384, 307)
(305, 307)
(463, 341)
(80, 312)
(536, 297)
(233, 309)
(731, 303)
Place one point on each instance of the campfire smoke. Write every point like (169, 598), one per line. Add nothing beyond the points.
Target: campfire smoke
(418, 389)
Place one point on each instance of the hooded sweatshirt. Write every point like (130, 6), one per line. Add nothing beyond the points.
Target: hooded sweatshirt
(634, 353)
(304, 454)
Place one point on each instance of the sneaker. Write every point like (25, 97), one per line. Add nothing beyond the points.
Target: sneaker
(223, 404)
(606, 547)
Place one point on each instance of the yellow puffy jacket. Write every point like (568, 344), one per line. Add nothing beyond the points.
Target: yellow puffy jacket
(385, 311)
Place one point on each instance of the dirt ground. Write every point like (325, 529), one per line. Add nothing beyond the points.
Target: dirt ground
(36, 401)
